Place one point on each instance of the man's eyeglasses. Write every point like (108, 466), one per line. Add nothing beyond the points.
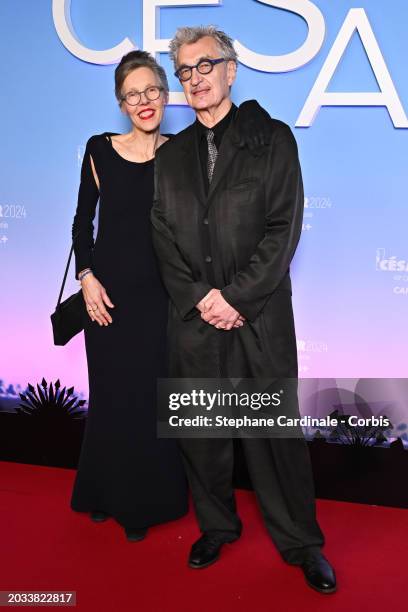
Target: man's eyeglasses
(204, 66)
(133, 97)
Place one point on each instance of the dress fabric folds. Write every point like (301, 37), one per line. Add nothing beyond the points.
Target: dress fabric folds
(124, 469)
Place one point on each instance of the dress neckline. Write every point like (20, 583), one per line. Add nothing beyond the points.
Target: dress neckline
(108, 138)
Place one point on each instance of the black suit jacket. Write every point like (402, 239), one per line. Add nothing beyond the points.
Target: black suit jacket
(239, 238)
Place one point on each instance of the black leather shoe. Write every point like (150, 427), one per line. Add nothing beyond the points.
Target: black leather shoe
(207, 549)
(98, 516)
(135, 534)
(318, 573)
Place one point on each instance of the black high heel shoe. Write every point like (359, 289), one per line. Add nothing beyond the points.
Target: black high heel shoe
(135, 534)
(98, 516)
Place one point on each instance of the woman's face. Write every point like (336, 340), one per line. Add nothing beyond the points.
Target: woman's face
(147, 114)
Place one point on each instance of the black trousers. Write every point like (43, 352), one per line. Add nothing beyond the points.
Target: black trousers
(281, 475)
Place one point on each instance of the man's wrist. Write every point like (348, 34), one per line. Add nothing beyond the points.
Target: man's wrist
(225, 294)
(203, 299)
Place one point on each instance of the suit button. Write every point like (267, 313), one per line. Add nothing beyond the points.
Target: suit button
(205, 221)
(208, 259)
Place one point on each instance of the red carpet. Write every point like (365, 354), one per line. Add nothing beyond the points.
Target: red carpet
(47, 546)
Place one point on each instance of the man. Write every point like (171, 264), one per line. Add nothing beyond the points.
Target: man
(226, 223)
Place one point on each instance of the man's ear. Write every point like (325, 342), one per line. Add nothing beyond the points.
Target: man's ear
(231, 72)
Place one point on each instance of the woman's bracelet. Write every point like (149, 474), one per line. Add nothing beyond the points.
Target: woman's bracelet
(83, 274)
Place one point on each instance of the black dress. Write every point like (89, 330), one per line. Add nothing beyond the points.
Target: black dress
(124, 469)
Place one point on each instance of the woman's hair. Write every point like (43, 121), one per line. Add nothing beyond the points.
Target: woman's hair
(133, 60)
(187, 35)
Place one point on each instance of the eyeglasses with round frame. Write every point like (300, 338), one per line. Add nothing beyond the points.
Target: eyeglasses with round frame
(151, 93)
(204, 66)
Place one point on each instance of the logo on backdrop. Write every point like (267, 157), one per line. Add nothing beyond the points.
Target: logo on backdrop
(314, 207)
(13, 212)
(309, 352)
(393, 264)
(356, 22)
(390, 264)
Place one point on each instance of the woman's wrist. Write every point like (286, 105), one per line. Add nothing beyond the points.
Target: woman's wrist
(84, 273)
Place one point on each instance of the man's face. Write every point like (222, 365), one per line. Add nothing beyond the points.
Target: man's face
(206, 91)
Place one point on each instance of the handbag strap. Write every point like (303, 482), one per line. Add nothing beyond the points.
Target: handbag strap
(66, 271)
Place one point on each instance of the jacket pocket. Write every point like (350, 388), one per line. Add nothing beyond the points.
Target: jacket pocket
(244, 184)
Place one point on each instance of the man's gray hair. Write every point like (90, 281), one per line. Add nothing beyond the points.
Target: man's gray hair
(187, 36)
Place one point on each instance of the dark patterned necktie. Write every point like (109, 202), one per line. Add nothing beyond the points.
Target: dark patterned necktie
(212, 154)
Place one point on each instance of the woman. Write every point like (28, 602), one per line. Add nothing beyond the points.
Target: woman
(124, 470)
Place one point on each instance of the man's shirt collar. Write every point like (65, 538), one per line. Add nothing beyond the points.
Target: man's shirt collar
(219, 128)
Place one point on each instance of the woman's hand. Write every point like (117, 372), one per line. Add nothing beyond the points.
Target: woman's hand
(95, 297)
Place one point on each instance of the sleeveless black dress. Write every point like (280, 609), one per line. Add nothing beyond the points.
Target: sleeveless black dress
(124, 469)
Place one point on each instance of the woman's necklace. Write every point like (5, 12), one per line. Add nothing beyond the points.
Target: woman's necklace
(155, 146)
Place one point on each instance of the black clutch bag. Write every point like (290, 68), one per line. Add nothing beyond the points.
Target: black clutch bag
(70, 315)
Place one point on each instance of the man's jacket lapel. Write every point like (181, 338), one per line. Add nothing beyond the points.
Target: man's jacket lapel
(225, 157)
(192, 166)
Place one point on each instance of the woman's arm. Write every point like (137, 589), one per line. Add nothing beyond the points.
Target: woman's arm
(95, 295)
(82, 227)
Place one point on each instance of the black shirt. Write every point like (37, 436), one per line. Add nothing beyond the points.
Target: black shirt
(219, 131)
